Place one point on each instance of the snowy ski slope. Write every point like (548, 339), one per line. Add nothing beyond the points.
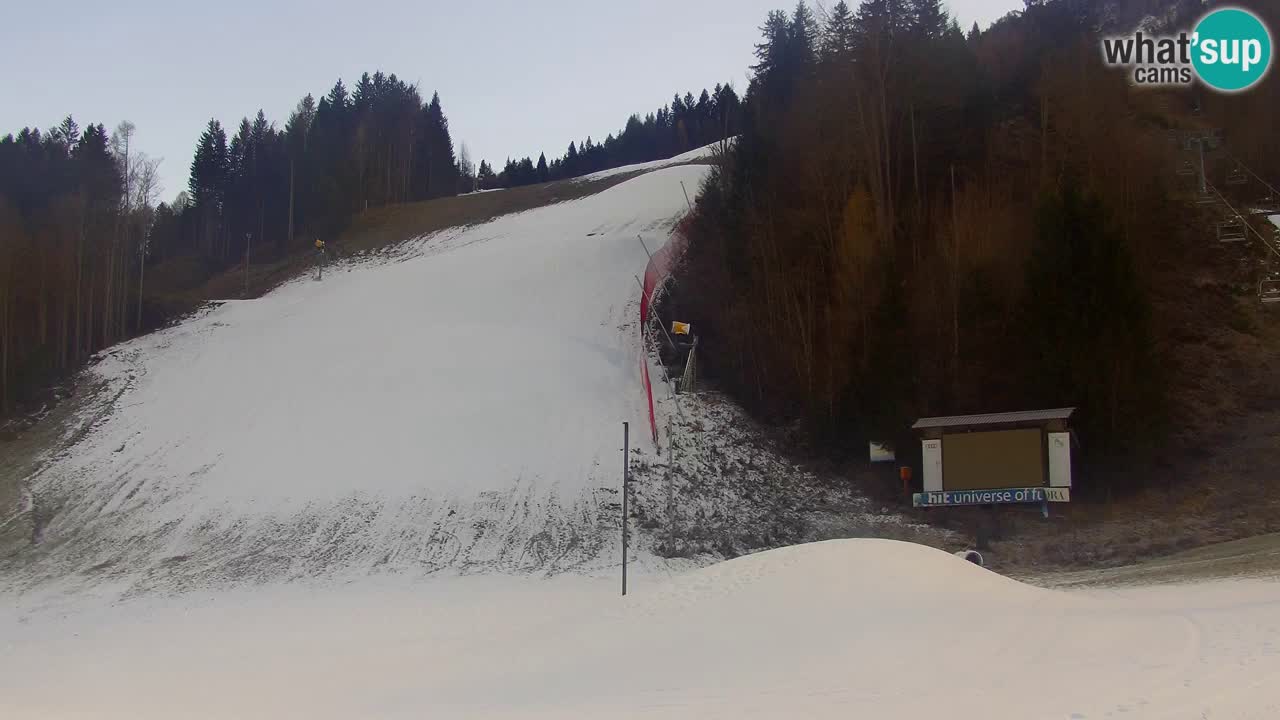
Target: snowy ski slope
(702, 153)
(251, 520)
(455, 403)
(843, 629)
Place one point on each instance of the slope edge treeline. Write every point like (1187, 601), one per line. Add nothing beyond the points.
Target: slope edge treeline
(923, 221)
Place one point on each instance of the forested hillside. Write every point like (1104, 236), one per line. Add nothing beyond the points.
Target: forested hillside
(683, 125)
(922, 221)
(89, 257)
(83, 240)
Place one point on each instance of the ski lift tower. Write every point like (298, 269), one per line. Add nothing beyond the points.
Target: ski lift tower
(1200, 142)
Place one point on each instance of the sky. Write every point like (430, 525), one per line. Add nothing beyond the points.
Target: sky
(515, 77)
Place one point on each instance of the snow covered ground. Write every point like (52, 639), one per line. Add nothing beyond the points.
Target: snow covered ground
(702, 153)
(450, 404)
(843, 629)
(393, 493)
(454, 403)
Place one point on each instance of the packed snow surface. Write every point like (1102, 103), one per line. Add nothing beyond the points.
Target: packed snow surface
(702, 153)
(283, 507)
(841, 629)
(455, 403)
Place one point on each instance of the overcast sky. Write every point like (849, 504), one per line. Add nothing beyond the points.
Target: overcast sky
(516, 77)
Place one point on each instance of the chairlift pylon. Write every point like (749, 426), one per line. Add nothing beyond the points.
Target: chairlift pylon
(1237, 176)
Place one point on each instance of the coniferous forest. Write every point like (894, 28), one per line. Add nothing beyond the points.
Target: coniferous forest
(81, 225)
(917, 220)
(684, 125)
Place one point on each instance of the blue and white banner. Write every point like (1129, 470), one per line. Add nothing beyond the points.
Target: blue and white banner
(1007, 496)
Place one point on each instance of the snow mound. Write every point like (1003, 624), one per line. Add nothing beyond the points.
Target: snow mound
(883, 573)
(857, 628)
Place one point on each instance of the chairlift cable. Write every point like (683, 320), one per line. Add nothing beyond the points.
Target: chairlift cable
(1274, 192)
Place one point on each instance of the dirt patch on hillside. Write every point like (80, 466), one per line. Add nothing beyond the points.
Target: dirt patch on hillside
(721, 486)
(384, 227)
(24, 452)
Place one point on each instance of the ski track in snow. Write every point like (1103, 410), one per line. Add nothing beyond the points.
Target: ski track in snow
(453, 402)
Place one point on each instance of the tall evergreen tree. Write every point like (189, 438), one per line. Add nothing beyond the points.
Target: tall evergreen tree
(571, 160)
(927, 18)
(771, 52)
(839, 38)
(208, 184)
(803, 34)
(208, 169)
(880, 18)
(435, 167)
(297, 131)
(486, 177)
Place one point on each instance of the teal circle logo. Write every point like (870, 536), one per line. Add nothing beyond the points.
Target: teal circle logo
(1232, 49)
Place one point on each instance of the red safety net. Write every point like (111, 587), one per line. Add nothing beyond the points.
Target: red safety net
(660, 267)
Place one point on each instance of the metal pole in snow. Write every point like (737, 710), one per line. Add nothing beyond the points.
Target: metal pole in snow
(686, 196)
(248, 238)
(626, 472)
(671, 495)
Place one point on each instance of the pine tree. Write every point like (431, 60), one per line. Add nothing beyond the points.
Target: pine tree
(704, 112)
(571, 163)
(526, 173)
(839, 37)
(486, 177)
(927, 18)
(542, 167)
(68, 134)
(436, 167)
(364, 95)
(803, 35)
(297, 131)
(240, 211)
(770, 53)
(729, 111)
(337, 97)
(208, 167)
(880, 18)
